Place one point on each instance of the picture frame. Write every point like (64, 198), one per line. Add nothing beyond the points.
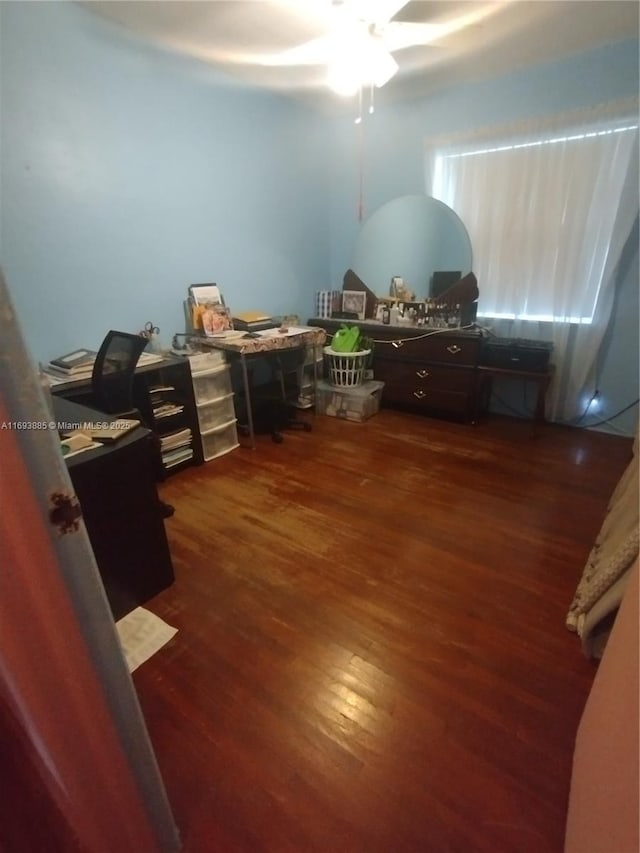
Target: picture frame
(206, 294)
(216, 319)
(354, 302)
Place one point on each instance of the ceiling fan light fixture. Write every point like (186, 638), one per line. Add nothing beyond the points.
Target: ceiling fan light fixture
(343, 78)
(362, 62)
(382, 69)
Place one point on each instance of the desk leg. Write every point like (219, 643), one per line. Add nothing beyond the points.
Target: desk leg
(315, 376)
(247, 398)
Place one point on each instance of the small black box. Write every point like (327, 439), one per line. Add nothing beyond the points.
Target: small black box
(517, 354)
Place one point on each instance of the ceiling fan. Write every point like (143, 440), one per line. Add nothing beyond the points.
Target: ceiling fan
(359, 39)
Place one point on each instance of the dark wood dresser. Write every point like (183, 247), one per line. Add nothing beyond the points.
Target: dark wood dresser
(430, 371)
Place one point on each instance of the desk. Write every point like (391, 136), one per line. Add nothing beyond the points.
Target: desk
(115, 485)
(172, 373)
(269, 342)
(541, 378)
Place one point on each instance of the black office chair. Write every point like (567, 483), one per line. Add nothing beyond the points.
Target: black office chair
(275, 391)
(288, 369)
(112, 385)
(113, 372)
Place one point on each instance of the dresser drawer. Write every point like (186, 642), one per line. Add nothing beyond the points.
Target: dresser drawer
(417, 375)
(446, 349)
(430, 400)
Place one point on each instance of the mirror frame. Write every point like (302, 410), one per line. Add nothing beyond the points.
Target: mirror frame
(411, 236)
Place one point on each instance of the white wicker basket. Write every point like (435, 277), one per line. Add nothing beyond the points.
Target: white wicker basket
(346, 369)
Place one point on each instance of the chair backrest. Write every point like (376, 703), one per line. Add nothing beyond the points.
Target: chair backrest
(113, 370)
(289, 365)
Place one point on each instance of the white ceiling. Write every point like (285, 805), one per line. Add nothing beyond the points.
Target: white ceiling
(502, 37)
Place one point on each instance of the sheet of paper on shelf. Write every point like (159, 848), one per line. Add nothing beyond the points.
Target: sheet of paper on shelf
(290, 331)
(149, 358)
(77, 443)
(111, 432)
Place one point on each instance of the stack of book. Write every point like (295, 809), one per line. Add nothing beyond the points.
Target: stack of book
(73, 366)
(167, 410)
(176, 447)
(161, 407)
(78, 365)
(253, 321)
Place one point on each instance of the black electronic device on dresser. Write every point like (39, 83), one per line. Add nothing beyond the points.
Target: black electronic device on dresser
(517, 354)
(442, 280)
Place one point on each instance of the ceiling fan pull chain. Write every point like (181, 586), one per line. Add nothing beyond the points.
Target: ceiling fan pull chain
(359, 116)
(361, 160)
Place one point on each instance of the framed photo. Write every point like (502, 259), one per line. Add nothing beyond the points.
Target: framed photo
(216, 319)
(355, 302)
(206, 294)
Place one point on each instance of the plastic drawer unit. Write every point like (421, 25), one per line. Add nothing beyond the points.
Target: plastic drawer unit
(211, 385)
(219, 440)
(216, 411)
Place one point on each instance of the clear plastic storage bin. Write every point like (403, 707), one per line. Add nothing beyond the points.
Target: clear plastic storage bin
(219, 440)
(211, 385)
(202, 361)
(216, 413)
(352, 404)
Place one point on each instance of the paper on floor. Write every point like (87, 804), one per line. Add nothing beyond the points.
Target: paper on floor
(142, 634)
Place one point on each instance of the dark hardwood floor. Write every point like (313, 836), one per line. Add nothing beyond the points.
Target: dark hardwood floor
(371, 653)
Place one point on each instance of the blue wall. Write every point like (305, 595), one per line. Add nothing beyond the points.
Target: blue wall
(393, 164)
(129, 173)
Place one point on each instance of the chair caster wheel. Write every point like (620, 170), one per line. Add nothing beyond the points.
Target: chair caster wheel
(166, 510)
(276, 438)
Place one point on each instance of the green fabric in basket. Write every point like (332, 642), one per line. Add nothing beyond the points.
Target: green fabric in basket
(346, 339)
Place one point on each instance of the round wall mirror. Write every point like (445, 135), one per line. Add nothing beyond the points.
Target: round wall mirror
(411, 237)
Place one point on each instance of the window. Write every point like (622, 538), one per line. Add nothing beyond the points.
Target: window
(541, 212)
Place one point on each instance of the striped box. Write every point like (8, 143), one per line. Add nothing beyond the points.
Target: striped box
(327, 301)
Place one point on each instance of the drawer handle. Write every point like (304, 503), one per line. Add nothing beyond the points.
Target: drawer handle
(420, 394)
(422, 374)
(397, 344)
(454, 349)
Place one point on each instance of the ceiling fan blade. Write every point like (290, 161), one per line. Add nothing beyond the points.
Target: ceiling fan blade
(398, 35)
(314, 52)
(378, 12)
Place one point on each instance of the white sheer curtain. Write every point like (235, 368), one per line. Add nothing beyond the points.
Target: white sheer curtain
(548, 210)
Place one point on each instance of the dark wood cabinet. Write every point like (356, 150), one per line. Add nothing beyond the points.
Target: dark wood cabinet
(163, 394)
(116, 487)
(430, 371)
